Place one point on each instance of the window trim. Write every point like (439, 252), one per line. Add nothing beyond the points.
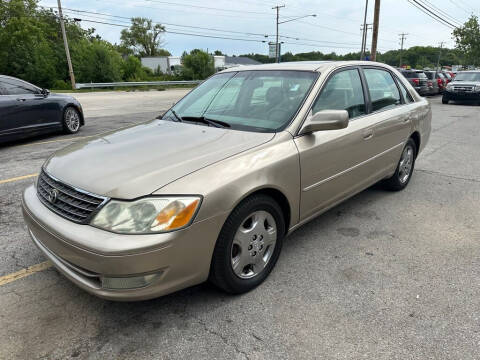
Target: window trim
(363, 67)
(366, 98)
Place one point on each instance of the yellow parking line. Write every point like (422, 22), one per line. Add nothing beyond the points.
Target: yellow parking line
(58, 140)
(18, 178)
(25, 272)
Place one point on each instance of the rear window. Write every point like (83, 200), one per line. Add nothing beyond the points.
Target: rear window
(414, 75)
(421, 75)
(430, 75)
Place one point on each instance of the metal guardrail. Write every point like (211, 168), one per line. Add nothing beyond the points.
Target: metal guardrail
(135, 83)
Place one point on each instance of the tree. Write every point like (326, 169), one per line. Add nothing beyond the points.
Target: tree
(197, 65)
(467, 39)
(143, 37)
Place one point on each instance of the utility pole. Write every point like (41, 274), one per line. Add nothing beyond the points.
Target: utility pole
(376, 23)
(364, 38)
(277, 50)
(439, 54)
(65, 43)
(403, 36)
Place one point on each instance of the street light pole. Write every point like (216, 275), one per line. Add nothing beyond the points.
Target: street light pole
(277, 52)
(65, 43)
(439, 54)
(277, 49)
(402, 38)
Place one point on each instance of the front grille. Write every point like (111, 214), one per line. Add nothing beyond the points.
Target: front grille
(463, 88)
(73, 204)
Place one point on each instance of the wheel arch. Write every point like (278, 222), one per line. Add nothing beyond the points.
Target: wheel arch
(76, 107)
(276, 195)
(416, 138)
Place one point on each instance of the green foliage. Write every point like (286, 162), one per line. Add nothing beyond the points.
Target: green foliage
(417, 56)
(144, 38)
(133, 70)
(467, 39)
(96, 61)
(197, 65)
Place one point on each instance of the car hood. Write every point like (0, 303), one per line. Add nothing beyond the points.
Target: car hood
(137, 160)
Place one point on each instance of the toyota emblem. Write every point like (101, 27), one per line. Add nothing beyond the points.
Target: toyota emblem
(52, 196)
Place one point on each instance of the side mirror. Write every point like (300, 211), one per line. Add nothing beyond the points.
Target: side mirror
(326, 120)
(45, 92)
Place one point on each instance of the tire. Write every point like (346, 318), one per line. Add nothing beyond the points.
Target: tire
(254, 233)
(444, 100)
(71, 120)
(404, 171)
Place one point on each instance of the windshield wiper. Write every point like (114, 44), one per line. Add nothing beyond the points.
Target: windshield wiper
(203, 119)
(179, 119)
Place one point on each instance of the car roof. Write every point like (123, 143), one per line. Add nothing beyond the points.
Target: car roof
(318, 66)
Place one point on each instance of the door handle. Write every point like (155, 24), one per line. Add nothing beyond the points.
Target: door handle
(368, 134)
(21, 99)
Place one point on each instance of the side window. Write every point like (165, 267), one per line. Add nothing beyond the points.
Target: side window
(342, 92)
(16, 87)
(406, 94)
(383, 90)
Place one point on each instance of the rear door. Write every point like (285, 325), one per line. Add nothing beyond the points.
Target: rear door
(392, 120)
(31, 111)
(8, 112)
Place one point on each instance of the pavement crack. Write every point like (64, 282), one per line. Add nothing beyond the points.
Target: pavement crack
(447, 176)
(222, 337)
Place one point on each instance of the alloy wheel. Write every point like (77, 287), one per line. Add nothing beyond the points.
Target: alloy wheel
(253, 244)
(72, 120)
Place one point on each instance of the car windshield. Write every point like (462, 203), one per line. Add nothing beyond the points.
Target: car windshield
(259, 100)
(468, 76)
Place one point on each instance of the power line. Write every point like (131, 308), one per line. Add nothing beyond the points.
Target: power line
(431, 13)
(443, 13)
(76, 11)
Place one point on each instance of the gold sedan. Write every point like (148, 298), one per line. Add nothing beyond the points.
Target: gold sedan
(210, 190)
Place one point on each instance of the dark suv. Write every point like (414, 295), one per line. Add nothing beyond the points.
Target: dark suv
(464, 87)
(418, 79)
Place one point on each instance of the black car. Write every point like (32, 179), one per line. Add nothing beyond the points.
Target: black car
(418, 80)
(464, 87)
(27, 110)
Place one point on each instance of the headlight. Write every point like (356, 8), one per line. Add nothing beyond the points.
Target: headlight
(477, 88)
(148, 215)
(449, 86)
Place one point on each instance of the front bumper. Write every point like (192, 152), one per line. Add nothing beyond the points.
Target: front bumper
(466, 96)
(87, 255)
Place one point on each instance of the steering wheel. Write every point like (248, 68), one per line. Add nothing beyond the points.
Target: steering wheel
(273, 113)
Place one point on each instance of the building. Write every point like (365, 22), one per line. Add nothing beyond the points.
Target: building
(164, 64)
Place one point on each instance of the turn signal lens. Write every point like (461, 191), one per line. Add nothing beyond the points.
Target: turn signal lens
(175, 215)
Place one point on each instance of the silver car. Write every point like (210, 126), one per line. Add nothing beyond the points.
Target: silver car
(210, 190)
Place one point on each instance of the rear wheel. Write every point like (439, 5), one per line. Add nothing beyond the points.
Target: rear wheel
(249, 245)
(404, 171)
(71, 120)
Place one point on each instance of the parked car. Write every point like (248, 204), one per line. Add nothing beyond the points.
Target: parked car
(436, 80)
(448, 77)
(210, 190)
(418, 80)
(464, 87)
(27, 110)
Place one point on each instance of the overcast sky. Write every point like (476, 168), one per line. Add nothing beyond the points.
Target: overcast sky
(336, 26)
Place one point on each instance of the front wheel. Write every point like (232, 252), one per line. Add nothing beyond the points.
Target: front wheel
(404, 171)
(249, 245)
(444, 100)
(71, 120)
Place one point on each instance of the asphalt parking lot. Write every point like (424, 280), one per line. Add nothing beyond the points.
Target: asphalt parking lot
(382, 276)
